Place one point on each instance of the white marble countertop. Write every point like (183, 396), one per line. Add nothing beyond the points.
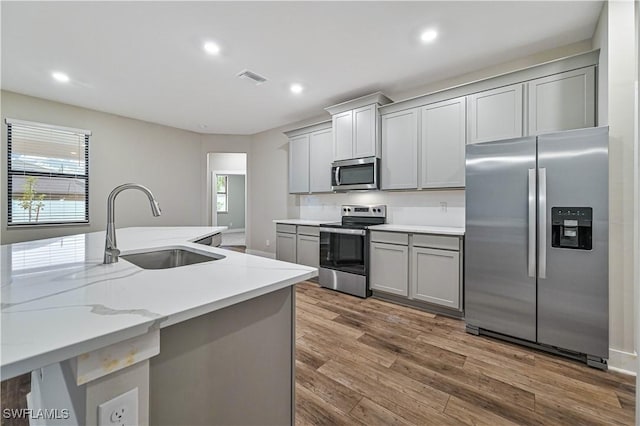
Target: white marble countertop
(59, 300)
(304, 222)
(420, 229)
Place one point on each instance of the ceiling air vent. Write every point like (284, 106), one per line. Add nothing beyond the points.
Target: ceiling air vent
(251, 76)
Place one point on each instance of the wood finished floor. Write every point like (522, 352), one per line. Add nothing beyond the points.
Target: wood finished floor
(369, 362)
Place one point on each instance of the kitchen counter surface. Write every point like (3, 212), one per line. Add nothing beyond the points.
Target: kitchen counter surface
(304, 222)
(420, 229)
(59, 301)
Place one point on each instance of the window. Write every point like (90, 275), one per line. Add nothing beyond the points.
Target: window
(48, 174)
(221, 193)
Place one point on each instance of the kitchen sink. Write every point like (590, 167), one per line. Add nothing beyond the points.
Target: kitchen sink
(169, 258)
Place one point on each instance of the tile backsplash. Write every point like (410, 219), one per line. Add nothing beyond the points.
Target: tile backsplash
(436, 208)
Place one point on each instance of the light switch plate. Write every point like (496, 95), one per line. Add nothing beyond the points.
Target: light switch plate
(119, 411)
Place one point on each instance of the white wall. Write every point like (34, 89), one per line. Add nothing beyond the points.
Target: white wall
(229, 162)
(617, 108)
(121, 150)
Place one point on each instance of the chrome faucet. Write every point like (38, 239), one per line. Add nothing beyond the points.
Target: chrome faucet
(111, 251)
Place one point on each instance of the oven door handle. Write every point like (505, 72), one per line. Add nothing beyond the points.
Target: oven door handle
(344, 231)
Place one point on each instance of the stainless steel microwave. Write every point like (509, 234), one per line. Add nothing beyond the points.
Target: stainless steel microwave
(361, 173)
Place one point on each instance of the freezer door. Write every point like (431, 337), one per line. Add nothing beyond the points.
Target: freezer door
(573, 282)
(500, 285)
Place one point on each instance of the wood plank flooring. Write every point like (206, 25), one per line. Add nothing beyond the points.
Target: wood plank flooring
(369, 362)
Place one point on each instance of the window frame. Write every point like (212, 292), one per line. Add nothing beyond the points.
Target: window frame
(226, 193)
(11, 173)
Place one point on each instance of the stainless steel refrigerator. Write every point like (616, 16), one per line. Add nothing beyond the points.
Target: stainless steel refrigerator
(536, 242)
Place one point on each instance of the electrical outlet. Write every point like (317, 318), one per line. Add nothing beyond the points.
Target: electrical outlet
(267, 243)
(119, 411)
(443, 206)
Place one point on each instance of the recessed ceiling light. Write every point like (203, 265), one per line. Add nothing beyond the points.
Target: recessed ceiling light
(203, 126)
(60, 76)
(428, 36)
(296, 88)
(211, 48)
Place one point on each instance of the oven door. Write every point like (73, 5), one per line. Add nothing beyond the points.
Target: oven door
(343, 250)
(362, 173)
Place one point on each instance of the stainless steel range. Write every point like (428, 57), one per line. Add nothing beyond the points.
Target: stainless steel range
(344, 249)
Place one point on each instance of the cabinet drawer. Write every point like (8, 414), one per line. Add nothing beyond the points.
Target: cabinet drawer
(436, 241)
(390, 237)
(313, 231)
(283, 227)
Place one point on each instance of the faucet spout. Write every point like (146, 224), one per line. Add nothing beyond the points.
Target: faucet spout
(111, 252)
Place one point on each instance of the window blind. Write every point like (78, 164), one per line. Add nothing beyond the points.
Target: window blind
(48, 174)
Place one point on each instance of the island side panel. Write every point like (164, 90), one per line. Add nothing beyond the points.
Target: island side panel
(232, 366)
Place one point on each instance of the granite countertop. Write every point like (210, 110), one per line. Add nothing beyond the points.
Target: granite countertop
(59, 301)
(304, 222)
(420, 229)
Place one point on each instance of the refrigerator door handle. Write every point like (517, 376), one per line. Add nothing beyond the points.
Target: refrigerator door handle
(542, 215)
(532, 223)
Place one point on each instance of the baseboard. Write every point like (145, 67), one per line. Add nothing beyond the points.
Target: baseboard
(233, 230)
(623, 362)
(261, 253)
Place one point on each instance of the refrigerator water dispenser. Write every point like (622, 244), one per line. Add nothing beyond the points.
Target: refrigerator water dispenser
(571, 227)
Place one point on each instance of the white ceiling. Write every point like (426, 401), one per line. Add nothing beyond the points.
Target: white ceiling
(145, 59)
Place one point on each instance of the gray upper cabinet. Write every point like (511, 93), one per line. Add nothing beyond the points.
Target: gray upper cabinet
(299, 164)
(442, 143)
(320, 158)
(343, 135)
(365, 136)
(356, 127)
(562, 101)
(495, 114)
(310, 157)
(400, 150)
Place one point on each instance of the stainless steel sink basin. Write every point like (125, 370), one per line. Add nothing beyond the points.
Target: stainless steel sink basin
(169, 258)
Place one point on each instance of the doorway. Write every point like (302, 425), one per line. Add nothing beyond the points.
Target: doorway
(227, 196)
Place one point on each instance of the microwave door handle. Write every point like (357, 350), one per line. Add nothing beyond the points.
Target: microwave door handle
(337, 175)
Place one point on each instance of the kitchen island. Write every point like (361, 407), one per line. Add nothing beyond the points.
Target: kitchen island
(207, 343)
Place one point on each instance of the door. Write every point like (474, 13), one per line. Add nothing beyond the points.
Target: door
(400, 150)
(562, 102)
(320, 158)
(500, 286)
(495, 114)
(442, 140)
(364, 139)
(389, 268)
(573, 304)
(342, 135)
(308, 250)
(435, 276)
(299, 164)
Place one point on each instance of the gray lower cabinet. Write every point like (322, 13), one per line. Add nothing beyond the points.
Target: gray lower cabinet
(435, 276)
(308, 250)
(298, 244)
(286, 243)
(419, 268)
(389, 268)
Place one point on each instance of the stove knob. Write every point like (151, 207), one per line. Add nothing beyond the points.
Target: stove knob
(344, 210)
